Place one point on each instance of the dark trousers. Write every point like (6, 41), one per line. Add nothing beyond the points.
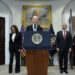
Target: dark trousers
(74, 56)
(17, 56)
(63, 59)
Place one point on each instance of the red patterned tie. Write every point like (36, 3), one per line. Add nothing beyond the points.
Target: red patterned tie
(64, 35)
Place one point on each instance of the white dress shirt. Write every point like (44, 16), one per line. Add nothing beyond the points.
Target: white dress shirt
(13, 36)
(34, 28)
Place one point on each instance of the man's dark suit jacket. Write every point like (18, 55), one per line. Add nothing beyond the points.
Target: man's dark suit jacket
(63, 44)
(74, 41)
(30, 28)
(17, 44)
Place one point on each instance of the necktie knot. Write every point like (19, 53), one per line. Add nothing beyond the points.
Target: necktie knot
(34, 25)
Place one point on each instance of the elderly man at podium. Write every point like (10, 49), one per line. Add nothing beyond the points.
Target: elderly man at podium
(34, 26)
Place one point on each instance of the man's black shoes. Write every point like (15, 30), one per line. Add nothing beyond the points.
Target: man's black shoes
(66, 71)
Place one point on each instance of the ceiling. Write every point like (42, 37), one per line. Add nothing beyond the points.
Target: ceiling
(37, 0)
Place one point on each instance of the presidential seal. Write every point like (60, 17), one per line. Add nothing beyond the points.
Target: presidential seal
(37, 38)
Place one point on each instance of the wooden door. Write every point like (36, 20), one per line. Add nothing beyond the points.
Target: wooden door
(2, 40)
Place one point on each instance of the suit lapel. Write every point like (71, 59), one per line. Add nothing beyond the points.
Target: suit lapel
(32, 27)
(37, 27)
(11, 36)
(66, 34)
(62, 35)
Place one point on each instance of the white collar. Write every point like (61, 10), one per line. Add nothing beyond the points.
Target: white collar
(34, 29)
(63, 32)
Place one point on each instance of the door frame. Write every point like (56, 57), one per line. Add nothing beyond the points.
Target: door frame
(7, 27)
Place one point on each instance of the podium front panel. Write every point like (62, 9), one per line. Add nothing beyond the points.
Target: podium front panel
(28, 40)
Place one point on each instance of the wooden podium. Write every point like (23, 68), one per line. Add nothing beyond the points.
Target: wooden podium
(37, 54)
(37, 62)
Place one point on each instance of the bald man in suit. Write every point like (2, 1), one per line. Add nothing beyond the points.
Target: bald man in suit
(63, 45)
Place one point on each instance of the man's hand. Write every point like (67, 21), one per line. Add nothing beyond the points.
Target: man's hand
(73, 44)
(57, 49)
(70, 49)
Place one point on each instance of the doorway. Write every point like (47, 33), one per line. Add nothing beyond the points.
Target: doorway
(2, 40)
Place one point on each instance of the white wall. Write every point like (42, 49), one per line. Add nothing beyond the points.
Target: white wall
(57, 9)
(66, 13)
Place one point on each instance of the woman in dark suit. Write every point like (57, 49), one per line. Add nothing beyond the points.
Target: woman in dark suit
(15, 44)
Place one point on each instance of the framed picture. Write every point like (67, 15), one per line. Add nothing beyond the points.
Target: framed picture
(42, 11)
